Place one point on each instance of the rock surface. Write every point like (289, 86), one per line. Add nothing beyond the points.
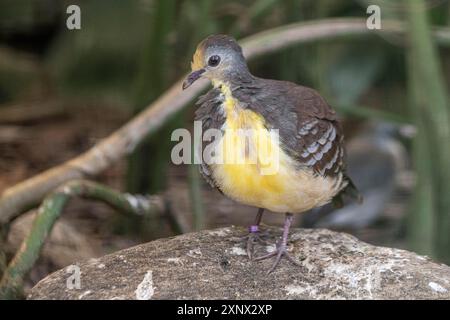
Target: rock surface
(213, 264)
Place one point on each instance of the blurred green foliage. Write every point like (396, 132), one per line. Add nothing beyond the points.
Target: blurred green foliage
(101, 59)
(129, 52)
(430, 218)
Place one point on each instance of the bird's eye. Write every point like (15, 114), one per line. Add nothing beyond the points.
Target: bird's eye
(213, 61)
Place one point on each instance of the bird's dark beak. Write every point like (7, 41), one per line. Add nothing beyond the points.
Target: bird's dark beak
(192, 77)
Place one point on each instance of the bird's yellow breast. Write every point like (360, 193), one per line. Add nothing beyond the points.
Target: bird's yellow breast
(256, 171)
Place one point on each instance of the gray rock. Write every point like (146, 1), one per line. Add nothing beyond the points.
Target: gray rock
(213, 265)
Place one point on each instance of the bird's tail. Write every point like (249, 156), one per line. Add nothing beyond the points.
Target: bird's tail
(350, 191)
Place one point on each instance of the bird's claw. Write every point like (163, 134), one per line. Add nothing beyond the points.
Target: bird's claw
(253, 238)
(280, 252)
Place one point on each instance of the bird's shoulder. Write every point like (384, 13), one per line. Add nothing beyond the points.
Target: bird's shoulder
(305, 101)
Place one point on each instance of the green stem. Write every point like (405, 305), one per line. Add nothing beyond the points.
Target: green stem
(196, 198)
(28, 253)
(206, 25)
(49, 212)
(421, 219)
(147, 166)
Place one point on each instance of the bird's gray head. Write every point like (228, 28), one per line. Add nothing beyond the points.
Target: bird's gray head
(218, 58)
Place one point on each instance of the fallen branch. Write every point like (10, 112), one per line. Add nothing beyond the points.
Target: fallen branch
(49, 212)
(30, 192)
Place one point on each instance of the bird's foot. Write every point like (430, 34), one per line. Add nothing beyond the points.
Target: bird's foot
(279, 252)
(254, 236)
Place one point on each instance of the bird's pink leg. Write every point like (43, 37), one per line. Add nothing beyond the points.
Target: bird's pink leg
(253, 234)
(281, 246)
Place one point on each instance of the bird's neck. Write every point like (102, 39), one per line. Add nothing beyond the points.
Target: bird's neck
(234, 79)
(230, 86)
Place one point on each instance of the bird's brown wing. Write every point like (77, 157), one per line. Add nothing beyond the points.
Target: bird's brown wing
(319, 137)
(320, 141)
